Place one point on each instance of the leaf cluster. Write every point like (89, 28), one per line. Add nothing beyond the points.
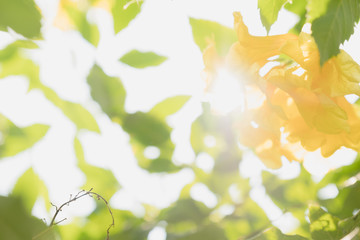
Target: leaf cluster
(188, 218)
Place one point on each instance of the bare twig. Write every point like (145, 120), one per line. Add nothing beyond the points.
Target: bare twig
(80, 194)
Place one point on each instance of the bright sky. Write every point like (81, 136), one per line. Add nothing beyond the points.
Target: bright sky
(65, 59)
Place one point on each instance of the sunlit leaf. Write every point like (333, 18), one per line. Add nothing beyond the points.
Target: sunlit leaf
(335, 26)
(323, 225)
(100, 179)
(185, 210)
(340, 175)
(138, 59)
(22, 16)
(247, 220)
(151, 129)
(124, 12)
(29, 44)
(16, 64)
(161, 165)
(210, 232)
(13, 63)
(205, 125)
(205, 31)
(127, 226)
(16, 140)
(269, 10)
(29, 186)
(107, 91)
(169, 106)
(298, 7)
(146, 129)
(8, 52)
(316, 9)
(290, 193)
(346, 202)
(80, 116)
(17, 224)
(275, 234)
(293, 195)
(89, 31)
(350, 224)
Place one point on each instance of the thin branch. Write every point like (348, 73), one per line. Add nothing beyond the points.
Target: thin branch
(72, 199)
(109, 209)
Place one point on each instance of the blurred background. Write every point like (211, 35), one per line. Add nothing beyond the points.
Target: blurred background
(112, 98)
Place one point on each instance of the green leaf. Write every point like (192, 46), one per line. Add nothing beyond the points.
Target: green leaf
(323, 225)
(29, 186)
(124, 11)
(22, 16)
(161, 165)
(16, 140)
(339, 175)
(346, 202)
(80, 116)
(275, 234)
(169, 106)
(108, 92)
(89, 31)
(147, 129)
(298, 7)
(16, 64)
(247, 219)
(17, 224)
(350, 224)
(101, 180)
(205, 31)
(138, 59)
(127, 226)
(269, 10)
(316, 8)
(335, 26)
(185, 210)
(294, 194)
(208, 232)
(29, 44)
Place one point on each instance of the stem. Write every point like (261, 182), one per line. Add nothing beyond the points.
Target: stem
(77, 196)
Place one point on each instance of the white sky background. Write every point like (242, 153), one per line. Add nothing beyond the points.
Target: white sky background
(65, 59)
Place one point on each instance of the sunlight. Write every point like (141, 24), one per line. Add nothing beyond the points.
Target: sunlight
(226, 93)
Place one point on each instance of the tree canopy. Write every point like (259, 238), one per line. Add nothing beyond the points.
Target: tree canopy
(232, 159)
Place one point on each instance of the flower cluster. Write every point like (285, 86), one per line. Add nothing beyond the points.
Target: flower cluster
(303, 105)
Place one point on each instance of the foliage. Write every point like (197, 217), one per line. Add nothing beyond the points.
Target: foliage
(301, 107)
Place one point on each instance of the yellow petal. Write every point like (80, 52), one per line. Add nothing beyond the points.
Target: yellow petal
(341, 76)
(255, 49)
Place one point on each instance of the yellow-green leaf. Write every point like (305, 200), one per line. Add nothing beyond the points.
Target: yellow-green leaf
(335, 26)
(169, 106)
(89, 31)
(29, 186)
(100, 179)
(22, 16)
(269, 10)
(80, 116)
(204, 30)
(124, 11)
(16, 140)
(146, 129)
(17, 224)
(138, 59)
(107, 91)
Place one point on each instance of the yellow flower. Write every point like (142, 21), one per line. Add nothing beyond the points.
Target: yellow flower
(305, 107)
